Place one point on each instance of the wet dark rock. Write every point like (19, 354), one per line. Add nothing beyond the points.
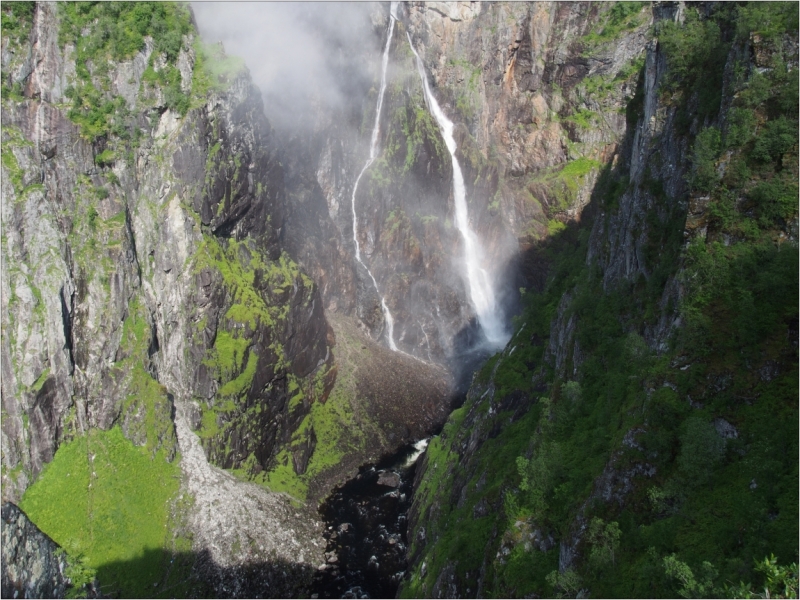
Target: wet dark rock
(367, 532)
(481, 509)
(725, 429)
(389, 478)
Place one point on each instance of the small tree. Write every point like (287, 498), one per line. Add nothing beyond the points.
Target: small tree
(701, 450)
(604, 538)
(779, 581)
(692, 586)
(566, 584)
(537, 476)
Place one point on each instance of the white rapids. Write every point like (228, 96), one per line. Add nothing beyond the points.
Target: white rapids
(478, 279)
(419, 448)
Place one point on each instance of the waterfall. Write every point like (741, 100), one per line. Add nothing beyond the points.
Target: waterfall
(479, 283)
(373, 153)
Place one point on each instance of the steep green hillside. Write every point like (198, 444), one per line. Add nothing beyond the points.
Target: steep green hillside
(639, 435)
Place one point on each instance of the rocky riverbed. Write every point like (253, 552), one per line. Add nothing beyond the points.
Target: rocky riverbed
(366, 530)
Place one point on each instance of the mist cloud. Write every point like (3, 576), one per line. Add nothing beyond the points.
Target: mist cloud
(299, 53)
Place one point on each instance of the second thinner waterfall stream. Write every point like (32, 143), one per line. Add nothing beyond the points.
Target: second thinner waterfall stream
(373, 153)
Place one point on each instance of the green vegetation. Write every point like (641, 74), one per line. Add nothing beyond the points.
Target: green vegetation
(37, 385)
(16, 21)
(715, 503)
(417, 131)
(332, 423)
(586, 119)
(563, 184)
(107, 503)
(258, 291)
(599, 88)
(554, 227)
(103, 34)
(621, 17)
(80, 575)
(116, 32)
(214, 70)
(13, 138)
(468, 99)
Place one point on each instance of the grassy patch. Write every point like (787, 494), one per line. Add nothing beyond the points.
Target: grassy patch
(621, 17)
(105, 499)
(563, 184)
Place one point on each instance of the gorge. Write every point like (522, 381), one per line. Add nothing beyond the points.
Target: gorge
(547, 250)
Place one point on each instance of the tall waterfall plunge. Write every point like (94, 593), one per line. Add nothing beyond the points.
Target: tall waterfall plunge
(373, 153)
(478, 280)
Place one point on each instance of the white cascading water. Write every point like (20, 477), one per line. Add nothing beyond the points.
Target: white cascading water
(419, 448)
(480, 285)
(373, 153)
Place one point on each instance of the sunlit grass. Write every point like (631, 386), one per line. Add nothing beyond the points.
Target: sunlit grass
(105, 499)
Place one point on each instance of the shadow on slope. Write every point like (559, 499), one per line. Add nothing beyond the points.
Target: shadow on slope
(163, 574)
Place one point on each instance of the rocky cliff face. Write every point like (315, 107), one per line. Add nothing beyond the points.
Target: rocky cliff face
(143, 278)
(153, 267)
(32, 566)
(531, 131)
(627, 272)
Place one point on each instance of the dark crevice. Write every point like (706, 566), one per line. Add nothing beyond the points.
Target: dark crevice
(66, 321)
(135, 254)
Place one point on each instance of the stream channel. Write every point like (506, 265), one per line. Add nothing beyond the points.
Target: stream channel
(366, 524)
(366, 528)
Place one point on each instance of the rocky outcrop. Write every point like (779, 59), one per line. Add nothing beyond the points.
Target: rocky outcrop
(143, 275)
(33, 564)
(246, 536)
(126, 270)
(395, 400)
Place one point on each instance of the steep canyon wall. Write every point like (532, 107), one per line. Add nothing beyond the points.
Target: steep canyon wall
(625, 419)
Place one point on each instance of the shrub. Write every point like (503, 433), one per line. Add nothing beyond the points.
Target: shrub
(775, 198)
(779, 581)
(701, 450)
(604, 538)
(92, 216)
(105, 158)
(707, 147)
(778, 137)
(741, 127)
(691, 586)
